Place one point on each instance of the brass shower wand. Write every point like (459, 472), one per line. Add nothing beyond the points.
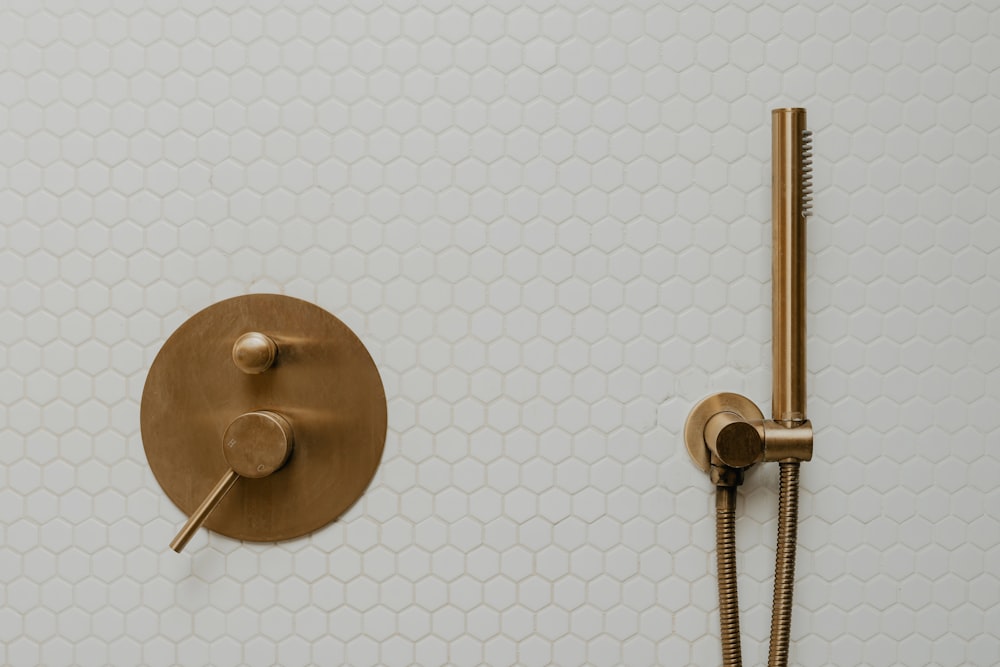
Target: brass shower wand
(717, 431)
(791, 203)
(726, 433)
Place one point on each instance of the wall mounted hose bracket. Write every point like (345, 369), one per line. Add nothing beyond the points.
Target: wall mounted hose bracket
(726, 433)
(263, 418)
(729, 430)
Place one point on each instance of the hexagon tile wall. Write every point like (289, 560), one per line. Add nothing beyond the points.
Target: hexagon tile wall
(549, 224)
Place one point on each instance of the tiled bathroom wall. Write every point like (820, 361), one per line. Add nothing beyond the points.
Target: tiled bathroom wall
(549, 223)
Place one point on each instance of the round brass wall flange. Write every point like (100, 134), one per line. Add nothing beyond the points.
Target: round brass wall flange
(704, 410)
(322, 381)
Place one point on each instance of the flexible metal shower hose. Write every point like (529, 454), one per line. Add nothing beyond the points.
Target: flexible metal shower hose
(725, 553)
(784, 564)
(784, 569)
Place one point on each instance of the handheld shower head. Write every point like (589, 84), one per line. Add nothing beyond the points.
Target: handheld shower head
(725, 433)
(791, 202)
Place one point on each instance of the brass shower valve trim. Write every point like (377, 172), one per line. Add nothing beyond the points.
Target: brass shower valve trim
(726, 433)
(263, 419)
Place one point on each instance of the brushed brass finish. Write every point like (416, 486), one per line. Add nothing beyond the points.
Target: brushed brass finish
(323, 384)
(254, 353)
(725, 433)
(789, 437)
(723, 475)
(696, 436)
(729, 430)
(725, 557)
(788, 441)
(790, 189)
(198, 516)
(257, 444)
(784, 563)
(734, 441)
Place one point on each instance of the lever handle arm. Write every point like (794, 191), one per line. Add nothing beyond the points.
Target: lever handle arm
(198, 517)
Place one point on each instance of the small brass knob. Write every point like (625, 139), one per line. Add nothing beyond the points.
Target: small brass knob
(254, 353)
(254, 445)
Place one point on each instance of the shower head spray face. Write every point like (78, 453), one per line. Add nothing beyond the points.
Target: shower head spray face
(806, 171)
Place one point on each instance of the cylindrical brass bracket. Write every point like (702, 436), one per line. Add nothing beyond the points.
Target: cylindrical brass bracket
(789, 441)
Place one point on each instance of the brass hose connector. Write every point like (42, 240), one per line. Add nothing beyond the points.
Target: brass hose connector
(734, 441)
(730, 430)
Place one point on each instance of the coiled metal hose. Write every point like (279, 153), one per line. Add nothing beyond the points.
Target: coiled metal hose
(784, 569)
(725, 553)
(784, 565)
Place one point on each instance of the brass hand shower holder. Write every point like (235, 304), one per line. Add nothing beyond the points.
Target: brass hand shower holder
(726, 433)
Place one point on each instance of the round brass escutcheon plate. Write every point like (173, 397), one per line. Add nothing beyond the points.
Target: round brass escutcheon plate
(694, 427)
(322, 382)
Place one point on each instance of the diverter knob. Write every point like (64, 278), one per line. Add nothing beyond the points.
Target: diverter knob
(254, 353)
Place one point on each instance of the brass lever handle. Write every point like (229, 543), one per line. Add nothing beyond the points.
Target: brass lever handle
(198, 517)
(256, 444)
